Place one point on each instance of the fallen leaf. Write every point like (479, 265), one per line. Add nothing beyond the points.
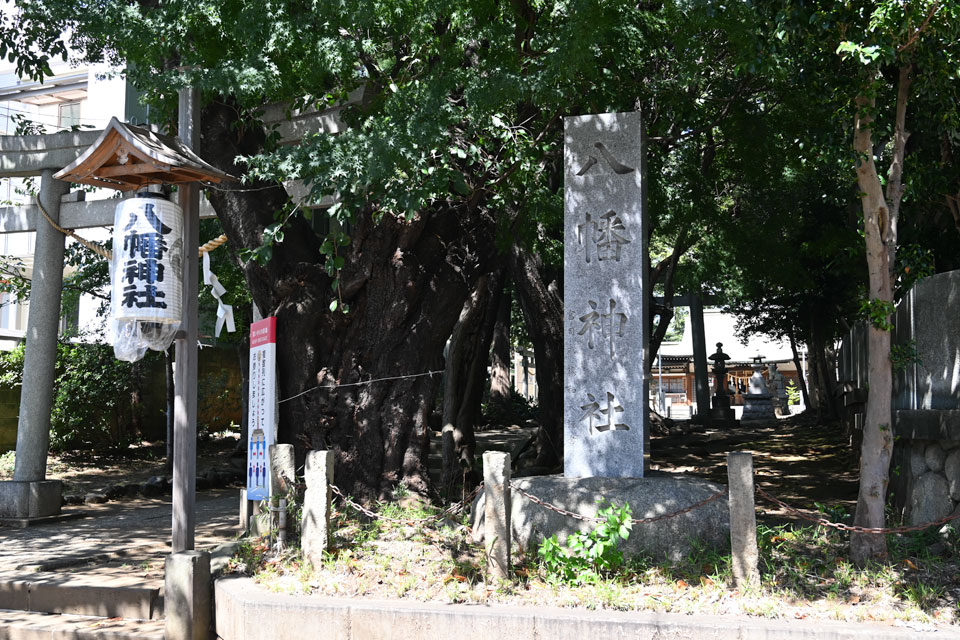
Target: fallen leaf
(681, 584)
(706, 581)
(910, 564)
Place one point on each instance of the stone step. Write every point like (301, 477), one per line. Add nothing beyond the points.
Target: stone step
(25, 625)
(85, 595)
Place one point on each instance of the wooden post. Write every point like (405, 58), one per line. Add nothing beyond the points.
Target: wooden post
(185, 383)
(743, 519)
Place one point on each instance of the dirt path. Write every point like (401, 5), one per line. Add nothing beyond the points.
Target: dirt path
(797, 460)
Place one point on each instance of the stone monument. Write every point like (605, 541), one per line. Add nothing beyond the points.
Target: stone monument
(758, 403)
(721, 414)
(605, 341)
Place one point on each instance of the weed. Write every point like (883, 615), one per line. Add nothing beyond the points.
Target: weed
(589, 556)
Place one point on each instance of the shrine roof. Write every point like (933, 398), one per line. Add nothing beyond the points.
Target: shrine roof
(127, 157)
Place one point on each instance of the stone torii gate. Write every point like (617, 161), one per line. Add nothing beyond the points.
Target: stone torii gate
(30, 497)
(701, 373)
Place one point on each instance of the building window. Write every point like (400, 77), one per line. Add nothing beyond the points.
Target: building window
(69, 115)
(9, 312)
(670, 385)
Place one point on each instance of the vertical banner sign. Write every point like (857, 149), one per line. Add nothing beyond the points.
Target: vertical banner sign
(605, 334)
(262, 406)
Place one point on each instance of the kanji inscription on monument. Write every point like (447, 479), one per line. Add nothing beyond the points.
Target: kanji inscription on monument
(605, 390)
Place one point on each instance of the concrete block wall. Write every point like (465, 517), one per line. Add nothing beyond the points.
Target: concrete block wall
(9, 412)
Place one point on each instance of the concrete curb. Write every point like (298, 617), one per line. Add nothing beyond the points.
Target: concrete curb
(245, 611)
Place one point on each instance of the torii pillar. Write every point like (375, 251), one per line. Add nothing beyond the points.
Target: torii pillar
(31, 495)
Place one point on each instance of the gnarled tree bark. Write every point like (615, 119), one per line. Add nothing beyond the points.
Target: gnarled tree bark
(466, 375)
(362, 382)
(541, 299)
(500, 354)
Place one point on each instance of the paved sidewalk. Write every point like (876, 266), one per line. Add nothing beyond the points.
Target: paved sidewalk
(133, 531)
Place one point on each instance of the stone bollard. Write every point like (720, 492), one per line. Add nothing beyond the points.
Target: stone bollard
(315, 526)
(743, 519)
(283, 472)
(187, 596)
(496, 536)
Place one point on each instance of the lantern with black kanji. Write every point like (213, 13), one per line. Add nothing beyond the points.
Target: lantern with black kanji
(147, 274)
(148, 256)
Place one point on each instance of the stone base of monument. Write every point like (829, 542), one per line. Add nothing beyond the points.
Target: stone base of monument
(672, 539)
(723, 417)
(25, 503)
(758, 407)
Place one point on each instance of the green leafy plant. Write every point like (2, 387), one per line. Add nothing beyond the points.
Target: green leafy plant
(904, 355)
(588, 557)
(519, 409)
(93, 397)
(793, 393)
(878, 312)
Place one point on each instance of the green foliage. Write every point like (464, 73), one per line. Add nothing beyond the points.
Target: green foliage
(879, 313)
(904, 355)
(519, 410)
(793, 392)
(913, 263)
(677, 325)
(11, 366)
(92, 395)
(588, 557)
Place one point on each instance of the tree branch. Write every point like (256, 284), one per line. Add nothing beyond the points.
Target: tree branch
(895, 174)
(934, 8)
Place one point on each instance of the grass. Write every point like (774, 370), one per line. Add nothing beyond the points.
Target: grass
(804, 573)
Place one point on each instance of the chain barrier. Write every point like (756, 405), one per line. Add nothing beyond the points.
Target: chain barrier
(577, 516)
(456, 507)
(852, 527)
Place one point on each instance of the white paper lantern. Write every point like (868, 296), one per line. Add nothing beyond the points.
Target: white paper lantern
(147, 275)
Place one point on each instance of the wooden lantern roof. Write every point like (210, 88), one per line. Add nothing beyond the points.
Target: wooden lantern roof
(127, 157)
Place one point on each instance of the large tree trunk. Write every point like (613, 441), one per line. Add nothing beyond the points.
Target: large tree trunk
(542, 302)
(360, 382)
(466, 375)
(824, 377)
(880, 212)
(500, 354)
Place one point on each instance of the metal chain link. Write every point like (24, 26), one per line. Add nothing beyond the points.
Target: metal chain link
(851, 527)
(456, 507)
(577, 516)
(459, 506)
